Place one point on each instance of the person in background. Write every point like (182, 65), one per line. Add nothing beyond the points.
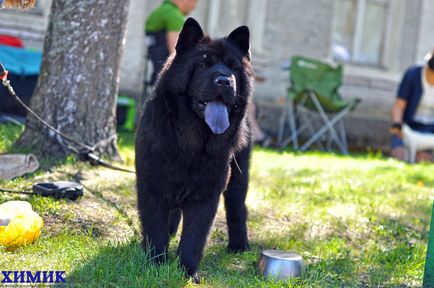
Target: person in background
(162, 29)
(414, 106)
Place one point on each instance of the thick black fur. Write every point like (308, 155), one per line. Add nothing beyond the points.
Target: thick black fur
(182, 166)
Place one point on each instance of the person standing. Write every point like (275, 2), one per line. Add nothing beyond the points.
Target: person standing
(162, 30)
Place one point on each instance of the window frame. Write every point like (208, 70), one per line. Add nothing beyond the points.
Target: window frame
(392, 24)
(256, 17)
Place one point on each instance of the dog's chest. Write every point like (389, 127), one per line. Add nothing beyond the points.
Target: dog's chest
(194, 179)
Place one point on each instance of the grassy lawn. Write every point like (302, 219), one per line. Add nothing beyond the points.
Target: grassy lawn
(358, 221)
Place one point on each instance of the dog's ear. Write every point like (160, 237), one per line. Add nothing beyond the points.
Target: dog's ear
(190, 35)
(241, 38)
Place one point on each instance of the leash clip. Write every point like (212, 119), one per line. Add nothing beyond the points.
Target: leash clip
(59, 189)
(3, 74)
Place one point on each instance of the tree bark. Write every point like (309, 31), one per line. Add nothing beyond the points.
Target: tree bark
(79, 79)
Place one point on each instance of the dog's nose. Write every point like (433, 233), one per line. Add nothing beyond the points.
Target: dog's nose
(222, 81)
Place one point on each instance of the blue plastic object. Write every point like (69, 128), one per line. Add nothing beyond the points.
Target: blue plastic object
(20, 61)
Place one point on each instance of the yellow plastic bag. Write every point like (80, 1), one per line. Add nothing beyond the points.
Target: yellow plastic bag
(21, 225)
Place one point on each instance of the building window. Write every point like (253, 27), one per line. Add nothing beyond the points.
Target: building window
(38, 9)
(359, 31)
(223, 16)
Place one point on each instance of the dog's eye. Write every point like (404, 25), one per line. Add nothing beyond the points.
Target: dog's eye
(203, 63)
(234, 64)
(201, 105)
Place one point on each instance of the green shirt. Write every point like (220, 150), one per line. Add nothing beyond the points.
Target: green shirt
(167, 17)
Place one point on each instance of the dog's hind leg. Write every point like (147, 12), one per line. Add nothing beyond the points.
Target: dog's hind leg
(235, 197)
(174, 218)
(197, 221)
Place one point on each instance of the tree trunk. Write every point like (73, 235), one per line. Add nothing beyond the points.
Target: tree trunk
(79, 79)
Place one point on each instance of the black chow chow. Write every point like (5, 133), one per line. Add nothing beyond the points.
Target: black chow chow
(193, 143)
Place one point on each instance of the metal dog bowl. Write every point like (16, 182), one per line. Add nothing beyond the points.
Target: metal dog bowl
(280, 264)
(4, 221)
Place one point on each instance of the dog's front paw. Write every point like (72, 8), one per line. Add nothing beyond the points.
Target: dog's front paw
(195, 278)
(238, 248)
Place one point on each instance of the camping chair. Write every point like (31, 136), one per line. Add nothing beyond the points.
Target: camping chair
(126, 112)
(315, 87)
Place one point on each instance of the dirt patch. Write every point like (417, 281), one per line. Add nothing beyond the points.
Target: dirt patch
(103, 211)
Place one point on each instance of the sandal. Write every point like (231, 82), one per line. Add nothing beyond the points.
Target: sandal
(264, 142)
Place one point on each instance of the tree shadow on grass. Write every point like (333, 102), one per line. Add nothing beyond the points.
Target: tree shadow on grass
(125, 265)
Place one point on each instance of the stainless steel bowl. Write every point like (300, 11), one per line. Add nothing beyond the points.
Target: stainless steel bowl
(4, 221)
(280, 264)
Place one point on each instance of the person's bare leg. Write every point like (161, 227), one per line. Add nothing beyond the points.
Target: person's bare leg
(399, 153)
(257, 133)
(423, 156)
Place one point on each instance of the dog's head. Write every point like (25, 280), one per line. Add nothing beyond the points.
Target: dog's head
(213, 76)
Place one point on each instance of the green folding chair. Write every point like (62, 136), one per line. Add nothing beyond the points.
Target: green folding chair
(314, 87)
(126, 112)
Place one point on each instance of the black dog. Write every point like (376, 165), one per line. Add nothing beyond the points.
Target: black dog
(193, 143)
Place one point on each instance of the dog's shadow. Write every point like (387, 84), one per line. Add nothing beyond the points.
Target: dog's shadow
(125, 265)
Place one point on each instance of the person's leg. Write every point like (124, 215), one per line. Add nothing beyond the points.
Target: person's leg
(399, 153)
(424, 156)
(257, 133)
(259, 137)
(398, 149)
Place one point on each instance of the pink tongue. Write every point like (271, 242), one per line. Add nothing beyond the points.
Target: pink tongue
(216, 116)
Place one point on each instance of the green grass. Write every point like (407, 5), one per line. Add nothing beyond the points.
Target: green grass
(358, 221)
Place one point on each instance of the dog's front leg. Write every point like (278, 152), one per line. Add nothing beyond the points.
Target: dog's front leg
(155, 230)
(235, 198)
(197, 221)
